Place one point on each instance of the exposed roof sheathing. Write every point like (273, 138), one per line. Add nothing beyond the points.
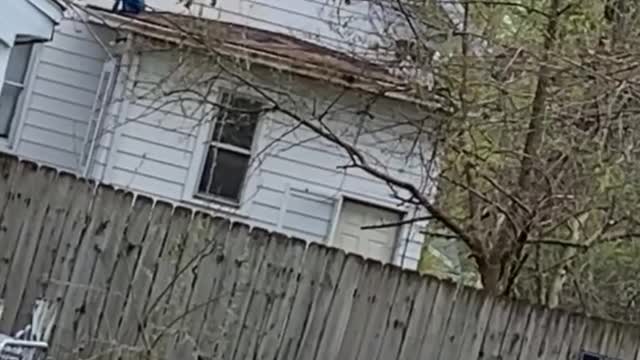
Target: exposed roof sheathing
(267, 48)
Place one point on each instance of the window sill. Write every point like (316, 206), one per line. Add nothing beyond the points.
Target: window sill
(5, 146)
(217, 205)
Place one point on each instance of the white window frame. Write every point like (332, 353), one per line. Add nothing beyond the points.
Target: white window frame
(401, 233)
(9, 142)
(199, 158)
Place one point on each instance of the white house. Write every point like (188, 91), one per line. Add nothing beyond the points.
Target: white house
(351, 25)
(24, 22)
(83, 109)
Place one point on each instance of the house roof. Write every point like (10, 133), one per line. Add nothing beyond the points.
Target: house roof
(269, 48)
(61, 4)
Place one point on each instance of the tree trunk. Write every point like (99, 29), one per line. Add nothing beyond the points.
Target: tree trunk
(560, 275)
(490, 275)
(508, 249)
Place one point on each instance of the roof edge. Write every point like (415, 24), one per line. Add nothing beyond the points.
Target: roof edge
(336, 77)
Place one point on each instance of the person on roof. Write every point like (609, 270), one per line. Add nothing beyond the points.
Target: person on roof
(129, 6)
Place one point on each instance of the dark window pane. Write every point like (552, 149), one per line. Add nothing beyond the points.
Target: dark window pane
(223, 173)
(8, 100)
(18, 62)
(236, 126)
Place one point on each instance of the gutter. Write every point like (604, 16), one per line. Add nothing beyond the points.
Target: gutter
(49, 11)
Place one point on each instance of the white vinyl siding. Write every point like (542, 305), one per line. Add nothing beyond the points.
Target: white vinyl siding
(295, 185)
(61, 91)
(297, 188)
(311, 168)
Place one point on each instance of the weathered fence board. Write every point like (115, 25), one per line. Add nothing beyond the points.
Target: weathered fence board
(454, 333)
(107, 248)
(22, 262)
(278, 317)
(399, 315)
(209, 275)
(477, 322)
(49, 244)
(360, 312)
(123, 272)
(136, 278)
(15, 215)
(308, 283)
(335, 324)
(416, 331)
(130, 330)
(379, 309)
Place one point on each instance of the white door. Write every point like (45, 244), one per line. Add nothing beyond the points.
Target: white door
(370, 243)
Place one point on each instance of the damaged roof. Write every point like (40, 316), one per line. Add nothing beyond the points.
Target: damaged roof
(268, 48)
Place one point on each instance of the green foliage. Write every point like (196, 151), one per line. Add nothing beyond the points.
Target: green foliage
(572, 85)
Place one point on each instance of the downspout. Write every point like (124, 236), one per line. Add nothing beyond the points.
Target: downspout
(126, 74)
(110, 68)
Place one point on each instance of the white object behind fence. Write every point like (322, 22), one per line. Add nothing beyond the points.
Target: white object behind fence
(30, 343)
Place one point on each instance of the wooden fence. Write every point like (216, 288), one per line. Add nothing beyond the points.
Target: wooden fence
(136, 278)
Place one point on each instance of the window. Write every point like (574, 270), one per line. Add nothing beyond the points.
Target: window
(378, 243)
(13, 85)
(229, 150)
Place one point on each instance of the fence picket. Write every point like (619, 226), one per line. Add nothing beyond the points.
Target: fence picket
(209, 275)
(515, 333)
(159, 311)
(123, 271)
(476, 324)
(417, 328)
(15, 215)
(50, 243)
(401, 310)
(335, 325)
(284, 290)
(107, 246)
(71, 335)
(308, 284)
(253, 315)
(317, 315)
(455, 331)
(132, 327)
(380, 307)
(28, 240)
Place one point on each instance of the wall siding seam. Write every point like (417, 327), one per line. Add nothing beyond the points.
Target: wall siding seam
(134, 173)
(145, 156)
(70, 68)
(324, 168)
(71, 85)
(63, 99)
(147, 140)
(69, 51)
(53, 130)
(325, 186)
(52, 114)
(29, 141)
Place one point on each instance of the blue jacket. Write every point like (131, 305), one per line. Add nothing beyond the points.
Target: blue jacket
(130, 6)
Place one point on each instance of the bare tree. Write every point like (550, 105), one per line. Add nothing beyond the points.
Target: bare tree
(523, 112)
